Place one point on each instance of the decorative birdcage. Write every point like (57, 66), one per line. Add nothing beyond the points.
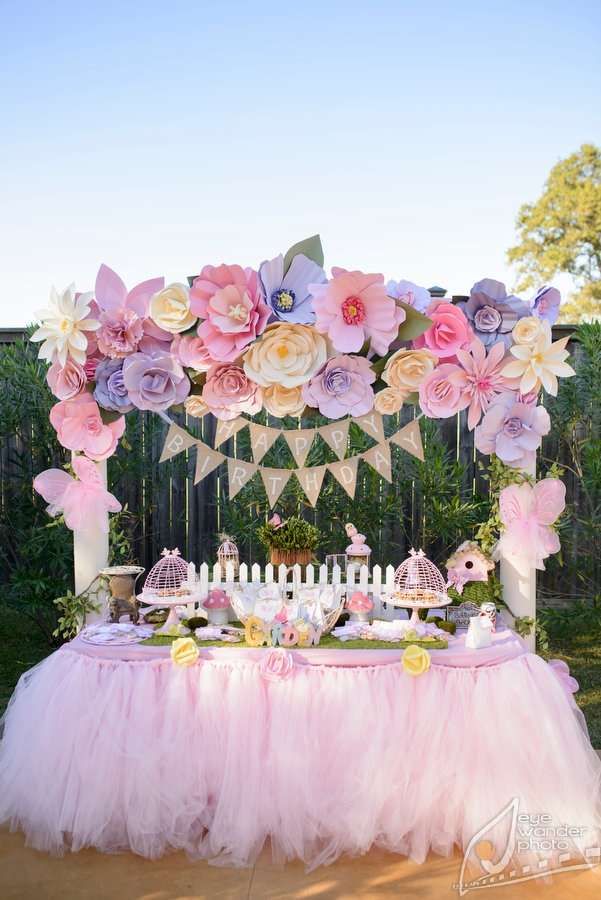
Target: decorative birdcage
(228, 553)
(418, 584)
(167, 579)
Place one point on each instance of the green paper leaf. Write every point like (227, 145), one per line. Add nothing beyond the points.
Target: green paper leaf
(415, 323)
(310, 247)
(108, 415)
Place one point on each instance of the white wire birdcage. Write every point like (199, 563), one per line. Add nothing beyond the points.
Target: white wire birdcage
(228, 553)
(167, 577)
(418, 583)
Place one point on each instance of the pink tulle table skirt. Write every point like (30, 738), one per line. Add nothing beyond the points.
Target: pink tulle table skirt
(118, 749)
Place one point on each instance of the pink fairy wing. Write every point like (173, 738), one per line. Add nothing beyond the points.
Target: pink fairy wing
(549, 500)
(52, 486)
(138, 298)
(86, 471)
(515, 503)
(110, 291)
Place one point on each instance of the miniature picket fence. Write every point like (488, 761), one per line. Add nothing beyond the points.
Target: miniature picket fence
(376, 582)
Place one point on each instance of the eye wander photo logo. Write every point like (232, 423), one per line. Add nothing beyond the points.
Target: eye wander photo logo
(519, 846)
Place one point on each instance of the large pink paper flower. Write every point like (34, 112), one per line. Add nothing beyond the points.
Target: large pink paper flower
(79, 427)
(439, 396)
(353, 307)
(513, 430)
(84, 501)
(66, 381)
(342, 387)
(230, 301)
(192, 352)
(479, 378)
(449, 332)
(228, 391)
(123, 314)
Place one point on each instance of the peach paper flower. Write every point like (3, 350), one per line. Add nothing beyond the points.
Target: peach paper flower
(353, 307)
(228, 391)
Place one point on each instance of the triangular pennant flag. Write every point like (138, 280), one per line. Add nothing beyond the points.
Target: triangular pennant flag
(336, 436)
(177, 440)
(239, 473)
(311, 480)
(410, 439)
(299, 443)
(379, 458)
(345, 472)
(274, 481)
(372, 424)
(207, 459)
(226, 430)
(261, 439)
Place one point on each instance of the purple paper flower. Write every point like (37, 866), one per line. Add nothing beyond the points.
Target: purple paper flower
(342, 387)
(546, 304)
(492, 313)
(154, 381)
(288, 295)
(411, 294)
(110, 391)
(513, 430)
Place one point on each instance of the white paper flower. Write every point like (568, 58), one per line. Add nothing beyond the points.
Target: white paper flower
(63, 327)
(288, 355)
(539, 363)
(170, 309)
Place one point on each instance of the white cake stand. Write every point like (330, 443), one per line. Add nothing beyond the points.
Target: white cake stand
(169, 603)
(415, 605)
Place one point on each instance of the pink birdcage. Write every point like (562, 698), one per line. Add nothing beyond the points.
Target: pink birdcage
(418, 584)
(167, 577)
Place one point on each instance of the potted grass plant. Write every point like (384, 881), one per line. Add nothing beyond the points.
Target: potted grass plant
(291, 541)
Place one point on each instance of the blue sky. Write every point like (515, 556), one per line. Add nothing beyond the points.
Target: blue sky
(157, 137)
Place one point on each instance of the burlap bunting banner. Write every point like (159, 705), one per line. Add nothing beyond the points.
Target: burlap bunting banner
(227, 430)
(239, 473)
(261, 439)
(207, 460)
(379, 458)
(300, 443)
(311, 480)
(372, 424)
(176, 441)
(410, 439)
(336, 436)
(345, 473)
(274, 482)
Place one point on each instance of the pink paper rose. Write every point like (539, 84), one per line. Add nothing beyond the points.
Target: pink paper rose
(353, 307)
(79, 427)
(230, 301)
(277, 664)
(192, 352)
(228, 391)
(342, 387)
(449, 332)
(439, 396)
(123, 315)
(66, 381)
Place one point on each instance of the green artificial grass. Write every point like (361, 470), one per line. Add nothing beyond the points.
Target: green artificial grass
(163, 640)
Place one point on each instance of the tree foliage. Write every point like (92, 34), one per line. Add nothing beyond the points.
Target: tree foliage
(561, 232)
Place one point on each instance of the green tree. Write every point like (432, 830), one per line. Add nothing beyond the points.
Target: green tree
(561, 232)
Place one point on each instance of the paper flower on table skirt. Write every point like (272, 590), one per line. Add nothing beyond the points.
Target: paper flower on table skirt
(561, 670)
(513, 430)
(354, 307)
(527, 514)
(415, 660)
(539, 363)
(124, 314)
(288, 296)
(277, 664)
(63, 328)
(492, 312)
(342, 387)
(449, 332)
(79, 427)
(83, 500)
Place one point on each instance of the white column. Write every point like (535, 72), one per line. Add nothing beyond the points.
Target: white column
(519, 584)
(90, 555)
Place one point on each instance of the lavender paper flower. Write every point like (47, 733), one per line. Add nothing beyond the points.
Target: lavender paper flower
(513, 430)
(342, 387)
(546, 304)
(110, 391)
(154, 381)
(288, 295)
(412, 294)
(492, 312)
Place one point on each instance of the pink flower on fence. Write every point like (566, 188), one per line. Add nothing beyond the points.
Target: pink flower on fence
(439, 395)
(79, 426)
(479, 378)
(228, 391)
(123, 314)
(449, 332)
(66, 381)
(84, 502)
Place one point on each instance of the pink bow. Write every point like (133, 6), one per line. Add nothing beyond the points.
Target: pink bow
(527, 513)
(83, 500)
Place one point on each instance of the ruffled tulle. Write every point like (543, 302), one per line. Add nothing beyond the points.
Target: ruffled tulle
(214, 759)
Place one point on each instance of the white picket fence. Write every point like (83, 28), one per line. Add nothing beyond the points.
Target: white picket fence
(356, 578)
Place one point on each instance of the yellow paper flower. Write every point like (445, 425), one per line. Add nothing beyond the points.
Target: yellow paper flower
(389, 401)
(406, 369)
(539, 363)
(527, 330)
(281, 401)
(184, 651)
(170, 309)
(63, 326)
(286, 354)
(195, 406)
(415, 660)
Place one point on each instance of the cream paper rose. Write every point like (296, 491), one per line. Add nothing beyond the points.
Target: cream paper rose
(286, 354)
(406, 369)
(282, 401)
(184, 651)
(389, 401)
(170, 309)
(527, 330)
(195, 406)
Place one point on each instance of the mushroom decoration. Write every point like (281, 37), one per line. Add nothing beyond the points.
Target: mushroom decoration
(217, 605)
(359, 607)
